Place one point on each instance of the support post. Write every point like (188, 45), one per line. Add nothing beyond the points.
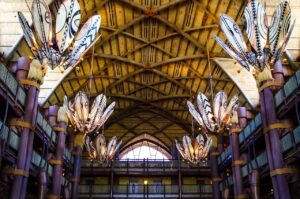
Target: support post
(254, 182)
(24, 156)
(60, 129)
(272, 139)
(236, 158)
(111, 180)
(76, 175)
(179, 176)
(214, 153)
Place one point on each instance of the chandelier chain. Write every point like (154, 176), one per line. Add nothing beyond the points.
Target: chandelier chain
(209, 67)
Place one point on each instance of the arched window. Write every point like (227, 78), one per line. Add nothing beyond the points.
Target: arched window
(145, 147)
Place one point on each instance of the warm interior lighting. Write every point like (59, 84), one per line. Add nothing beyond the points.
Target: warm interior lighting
(89, 122)
(145, 182)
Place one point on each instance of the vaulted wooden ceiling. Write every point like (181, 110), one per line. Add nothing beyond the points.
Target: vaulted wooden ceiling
(151, 58)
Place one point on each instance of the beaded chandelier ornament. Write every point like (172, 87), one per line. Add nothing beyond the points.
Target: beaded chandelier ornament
(68, 45)
(268, 38)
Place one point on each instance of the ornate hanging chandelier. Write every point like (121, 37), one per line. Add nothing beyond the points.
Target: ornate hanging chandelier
(56, 51)
(268, 38)
(214, 119)
(89, 123)
(194, 150)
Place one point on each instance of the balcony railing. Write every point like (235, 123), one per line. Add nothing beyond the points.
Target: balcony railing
(145, 166)
(144, 191)
(141, 163)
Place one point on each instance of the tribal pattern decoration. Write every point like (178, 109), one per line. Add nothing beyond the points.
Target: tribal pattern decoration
(67, 47)
(89, 122)
(268, 38)
(194, 151)
(102, 153)
(214, 119)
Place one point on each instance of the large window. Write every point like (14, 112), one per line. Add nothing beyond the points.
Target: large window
(144, 152)
(142, 148)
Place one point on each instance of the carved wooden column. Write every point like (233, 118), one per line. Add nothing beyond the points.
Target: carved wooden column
(214, 154)
(42, 184)
(236, 159)
(254, 182)
(26, 126)
(179, 177)
(271, 131)
(76, 175)
(57, 163)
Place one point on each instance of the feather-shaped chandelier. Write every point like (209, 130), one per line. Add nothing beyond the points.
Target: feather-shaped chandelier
(214, 119)
(89, 122)
(194, 150)
(68, 45)
(268, 38)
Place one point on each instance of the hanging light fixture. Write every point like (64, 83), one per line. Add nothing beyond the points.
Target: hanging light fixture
(214, 119)
(268, 38)
(56, 51)
(89, 123)
(194, 150)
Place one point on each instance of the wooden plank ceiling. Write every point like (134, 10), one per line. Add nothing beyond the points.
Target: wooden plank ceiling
(152, 57)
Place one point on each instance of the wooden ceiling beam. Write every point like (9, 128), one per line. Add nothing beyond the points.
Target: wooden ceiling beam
(169, 97)
(119, 58)
(168, 61)
(180, 31)
(94, 10)
(146, 14)
(182, 86)
(152, 42)
(120, 29)
(209, 13)
(91, 76)
(152, 108)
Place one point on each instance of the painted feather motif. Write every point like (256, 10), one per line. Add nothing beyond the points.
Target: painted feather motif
(215, 118)
(53, 51)
(194, 151)
(232, 106)
(195, 113)
(206, 112)
(67, 23)
(86, 36)
(280, 24)
(186, 142)
(268, 39)
(81, 105)
(96, 112)
(180, 149)
(28, 35)
(233, 54)
(284, 43)
(256, 28)
(219, 106)
(42, 20)
(234, 34)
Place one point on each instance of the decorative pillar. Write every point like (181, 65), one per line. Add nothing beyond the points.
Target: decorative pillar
(271, 132)
(215, 173)
(111, 182)
(60, 128)
(179, 175)
(42, 180)
(237, 162)
(67, 193)
(76, 175)
(254, 182)
(220, 143)
(29, 75)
